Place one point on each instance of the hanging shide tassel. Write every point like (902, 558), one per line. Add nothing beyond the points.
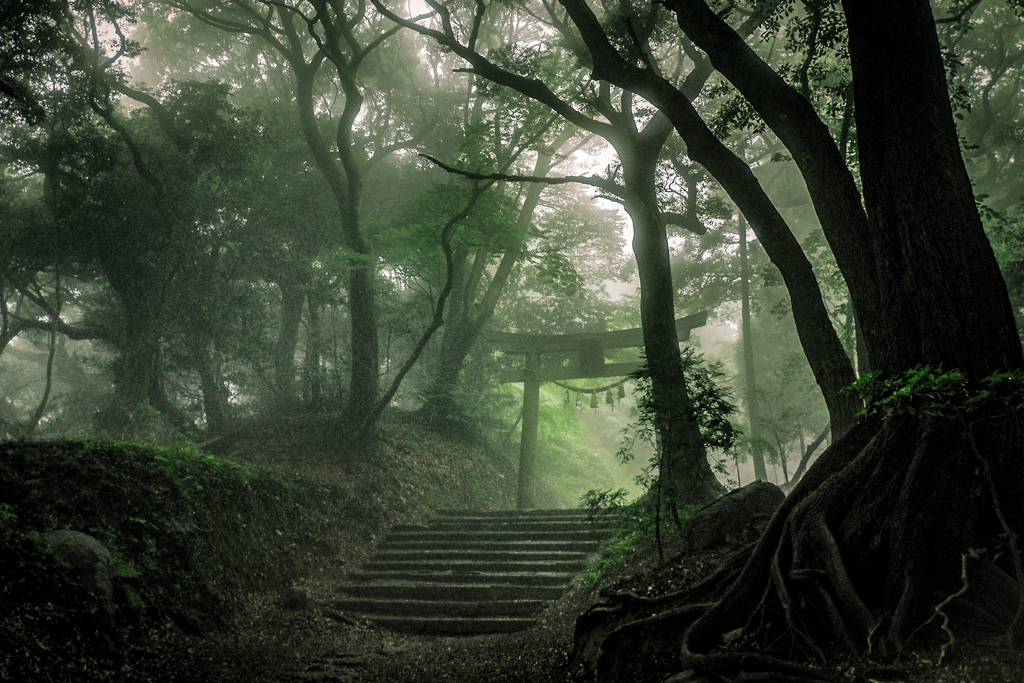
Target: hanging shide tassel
(622, 391)
(593, 400)
(579, 401)
(566, 400)
(608, 398)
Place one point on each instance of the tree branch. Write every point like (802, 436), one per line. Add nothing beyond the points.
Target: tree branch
(438, 318)
(955, 18)
(18, 324)
(51, 356)
(594, 181)
(481, 66)
(685, 222)
(812, 48)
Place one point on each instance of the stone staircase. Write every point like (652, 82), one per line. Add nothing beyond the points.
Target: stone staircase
(467, 573)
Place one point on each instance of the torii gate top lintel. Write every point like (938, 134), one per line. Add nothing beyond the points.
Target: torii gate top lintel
(589, 345)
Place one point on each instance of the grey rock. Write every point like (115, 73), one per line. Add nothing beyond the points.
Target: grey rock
(90, 565)
(736, 518)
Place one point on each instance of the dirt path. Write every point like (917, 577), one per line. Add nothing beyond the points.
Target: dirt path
(314, 642)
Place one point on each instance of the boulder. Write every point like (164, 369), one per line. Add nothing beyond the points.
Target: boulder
(90, 565)
(736, 518)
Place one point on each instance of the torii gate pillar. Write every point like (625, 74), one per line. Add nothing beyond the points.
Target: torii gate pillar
(528, 441)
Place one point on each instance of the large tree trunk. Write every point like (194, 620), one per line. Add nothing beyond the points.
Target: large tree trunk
(459, 337)
(684, 467)
(933, 254)
(141, 302)
(165, 405)
(345, 182)
(215, 392)
(134, 369)
(363, 384)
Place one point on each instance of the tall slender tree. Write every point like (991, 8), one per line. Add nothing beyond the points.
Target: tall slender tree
(749, 369)
(308, 37)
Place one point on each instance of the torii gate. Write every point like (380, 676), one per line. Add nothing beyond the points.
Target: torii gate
(589, 348)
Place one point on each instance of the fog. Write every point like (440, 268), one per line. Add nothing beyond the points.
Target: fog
(324, 324)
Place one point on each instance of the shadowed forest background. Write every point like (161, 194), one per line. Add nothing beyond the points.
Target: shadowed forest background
(276, 239)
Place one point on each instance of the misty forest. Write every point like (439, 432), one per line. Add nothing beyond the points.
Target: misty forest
(511, 340)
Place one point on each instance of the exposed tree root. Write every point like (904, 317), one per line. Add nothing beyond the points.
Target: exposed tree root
(966, 584)
(647, 639)
(876, 547)
(1014, 635)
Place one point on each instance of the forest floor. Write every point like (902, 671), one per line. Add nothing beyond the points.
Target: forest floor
(296, 633)
(276, 642)
(272, 643)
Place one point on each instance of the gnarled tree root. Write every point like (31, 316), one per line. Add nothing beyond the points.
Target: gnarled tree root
(879, 525)
(861, 557)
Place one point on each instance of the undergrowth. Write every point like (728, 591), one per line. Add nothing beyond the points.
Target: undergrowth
(637, 540)
(189, 535)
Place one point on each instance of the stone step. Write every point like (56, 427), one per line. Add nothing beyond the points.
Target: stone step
(468, 572)
(585, 547)
(450, 626)
(530, 522)
(524, 518)
(496, 536)
(518, 524)
(482, 555)
(464, 566)
(442, 608)
(574, 513)
(503, 578)
(452, 591)
(507, 527)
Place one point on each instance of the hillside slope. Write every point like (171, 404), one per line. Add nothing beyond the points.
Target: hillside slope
(193, 536)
